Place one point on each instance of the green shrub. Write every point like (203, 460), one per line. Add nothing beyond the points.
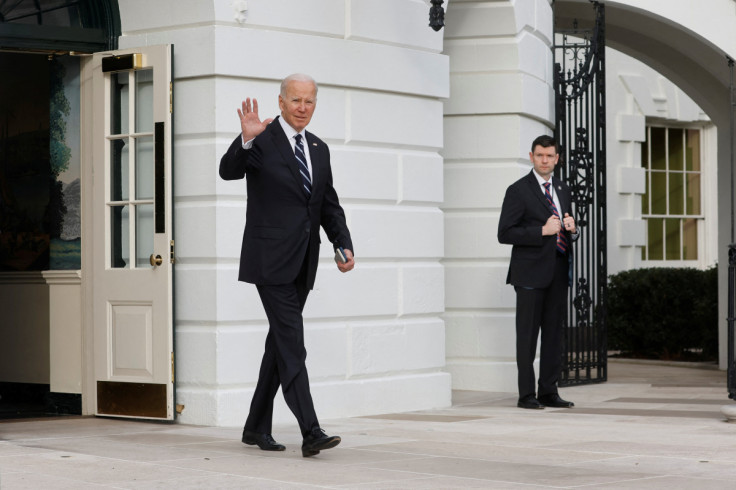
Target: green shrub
(664, 313)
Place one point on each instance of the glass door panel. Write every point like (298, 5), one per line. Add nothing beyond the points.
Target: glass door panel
(119, 170)
(119, 236)
(119, 103)
(131, 171)
(144, 168)
(143, 234)
(143, 101)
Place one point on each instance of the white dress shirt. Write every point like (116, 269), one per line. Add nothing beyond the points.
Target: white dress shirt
(551, 191)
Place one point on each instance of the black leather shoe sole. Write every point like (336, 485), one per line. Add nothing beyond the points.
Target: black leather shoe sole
(317, 446)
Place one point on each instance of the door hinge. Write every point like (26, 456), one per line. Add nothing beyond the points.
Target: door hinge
(172, 367)
(171, 97)
(172, 258)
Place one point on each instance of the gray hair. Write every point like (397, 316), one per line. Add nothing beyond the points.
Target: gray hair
(297, 77)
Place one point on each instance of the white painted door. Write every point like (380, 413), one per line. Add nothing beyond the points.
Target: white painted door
(132, 233)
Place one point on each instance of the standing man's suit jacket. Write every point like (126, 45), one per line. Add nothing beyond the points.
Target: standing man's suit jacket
(524, 212)
(282, 222)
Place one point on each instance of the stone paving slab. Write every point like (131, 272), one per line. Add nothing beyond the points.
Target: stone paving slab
(650, 427)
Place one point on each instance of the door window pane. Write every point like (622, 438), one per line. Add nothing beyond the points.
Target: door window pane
(119, 237)
(144, 167)
(119, 103)
(119, 170)
(144, 101)
(143, 234)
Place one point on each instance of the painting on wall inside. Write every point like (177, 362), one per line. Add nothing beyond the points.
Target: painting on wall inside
(39, 163)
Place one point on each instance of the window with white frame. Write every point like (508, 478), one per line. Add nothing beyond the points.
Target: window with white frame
(672, 204)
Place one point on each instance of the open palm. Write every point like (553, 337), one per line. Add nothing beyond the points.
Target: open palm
(250, 123)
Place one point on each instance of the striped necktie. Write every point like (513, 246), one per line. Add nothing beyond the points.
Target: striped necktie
(303, 169)
(561, 239)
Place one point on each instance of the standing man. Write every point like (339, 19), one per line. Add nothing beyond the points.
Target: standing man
(290, 195)
(535, 219)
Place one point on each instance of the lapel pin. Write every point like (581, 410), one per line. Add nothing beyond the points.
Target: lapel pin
(314, 144)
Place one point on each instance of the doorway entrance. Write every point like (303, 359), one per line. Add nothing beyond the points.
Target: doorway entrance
(42, 45)
(40, 231)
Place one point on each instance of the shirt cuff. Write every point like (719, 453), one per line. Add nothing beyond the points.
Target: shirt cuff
(247, 145)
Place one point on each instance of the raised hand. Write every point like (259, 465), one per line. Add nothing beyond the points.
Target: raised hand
(250, 124)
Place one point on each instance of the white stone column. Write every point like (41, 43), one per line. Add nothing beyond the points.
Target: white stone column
(501, 99)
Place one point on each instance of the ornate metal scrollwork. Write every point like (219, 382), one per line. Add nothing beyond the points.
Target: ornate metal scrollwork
(579, 82)
(582, 301)
(581, 176)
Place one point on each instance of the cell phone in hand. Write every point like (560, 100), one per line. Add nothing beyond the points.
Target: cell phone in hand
(340, 256)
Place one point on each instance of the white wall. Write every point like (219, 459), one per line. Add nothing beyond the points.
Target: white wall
(375, 337)
(637, 95)
(501, 99)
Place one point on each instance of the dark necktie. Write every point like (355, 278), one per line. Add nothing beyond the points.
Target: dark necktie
(561, 239)
(303, 169)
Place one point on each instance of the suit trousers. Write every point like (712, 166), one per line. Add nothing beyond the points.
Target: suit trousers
(283, 362)
(541, 308)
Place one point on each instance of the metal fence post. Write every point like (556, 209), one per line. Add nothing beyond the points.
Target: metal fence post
(731, 370)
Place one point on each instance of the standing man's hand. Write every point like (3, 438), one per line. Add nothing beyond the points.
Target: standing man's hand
(569, 223)
(552, 226)
(347, 266)
(250, 123)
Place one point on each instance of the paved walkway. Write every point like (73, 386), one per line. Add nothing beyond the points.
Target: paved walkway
(649, 427)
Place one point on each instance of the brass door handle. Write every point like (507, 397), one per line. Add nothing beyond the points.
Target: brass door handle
(155, 260)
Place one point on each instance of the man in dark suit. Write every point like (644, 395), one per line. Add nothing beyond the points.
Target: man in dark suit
(290, 195)
(535, 219)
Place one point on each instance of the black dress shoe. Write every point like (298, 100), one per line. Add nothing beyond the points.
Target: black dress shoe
(263, 441)
(554, 400)
(317, 440)
(529, 401)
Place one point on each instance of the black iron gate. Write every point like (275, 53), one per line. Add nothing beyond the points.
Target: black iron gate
(580, 106)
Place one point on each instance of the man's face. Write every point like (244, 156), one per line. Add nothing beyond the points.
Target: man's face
(544, 160)
(298, 105)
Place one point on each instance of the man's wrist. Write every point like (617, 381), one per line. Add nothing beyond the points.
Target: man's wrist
(247, 145)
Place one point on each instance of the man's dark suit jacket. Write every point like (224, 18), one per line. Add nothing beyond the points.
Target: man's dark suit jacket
(524, 212)
(282, 223)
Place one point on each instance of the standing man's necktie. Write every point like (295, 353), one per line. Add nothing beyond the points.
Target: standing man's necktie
(303, 169)
(561, 239)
